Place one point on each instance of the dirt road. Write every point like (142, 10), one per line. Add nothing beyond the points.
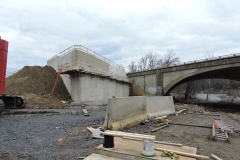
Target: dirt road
(63, 135)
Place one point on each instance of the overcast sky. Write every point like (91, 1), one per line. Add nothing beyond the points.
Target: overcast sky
(120, 30)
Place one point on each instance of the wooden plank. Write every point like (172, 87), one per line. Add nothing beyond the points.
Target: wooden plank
(180, 111)
(157, 142)
(183, 153)
(215, 157)
(156, 129)
(191, 125)
(167, 143)
(85, 112)
(90, 129)
(125, 134)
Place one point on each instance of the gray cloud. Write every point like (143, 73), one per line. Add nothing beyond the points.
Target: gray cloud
(121, 32)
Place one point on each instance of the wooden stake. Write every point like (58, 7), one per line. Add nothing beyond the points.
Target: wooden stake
(183, 153)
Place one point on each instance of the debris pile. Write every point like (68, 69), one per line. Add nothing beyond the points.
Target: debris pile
(34, 84)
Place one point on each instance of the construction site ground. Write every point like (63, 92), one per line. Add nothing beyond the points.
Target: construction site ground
(37, 134)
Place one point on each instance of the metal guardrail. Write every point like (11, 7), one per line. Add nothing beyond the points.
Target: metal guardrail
(87, 51)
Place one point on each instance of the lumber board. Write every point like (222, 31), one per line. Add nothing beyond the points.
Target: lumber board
(157, 142)
(190, 125)
(215, 157)
(125, 134)
(167, 143)
(156, 129)
(183, 153)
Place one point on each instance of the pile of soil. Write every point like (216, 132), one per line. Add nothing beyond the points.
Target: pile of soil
(35, 83)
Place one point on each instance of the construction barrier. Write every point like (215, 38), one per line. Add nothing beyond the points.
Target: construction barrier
(159, 106)
(123, 112)
(128, 111)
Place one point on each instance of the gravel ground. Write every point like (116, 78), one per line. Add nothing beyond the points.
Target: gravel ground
(60, 135)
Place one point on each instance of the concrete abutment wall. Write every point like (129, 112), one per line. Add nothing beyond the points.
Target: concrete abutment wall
(91, 86)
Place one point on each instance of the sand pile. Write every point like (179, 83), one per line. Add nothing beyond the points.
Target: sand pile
(35, 84)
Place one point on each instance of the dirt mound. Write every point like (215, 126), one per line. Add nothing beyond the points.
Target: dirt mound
(35, 84)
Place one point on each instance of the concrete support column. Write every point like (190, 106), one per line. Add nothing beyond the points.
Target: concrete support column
(159, 80)
(144, 83)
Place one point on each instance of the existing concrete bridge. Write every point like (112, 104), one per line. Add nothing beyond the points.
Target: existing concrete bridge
(161, 81)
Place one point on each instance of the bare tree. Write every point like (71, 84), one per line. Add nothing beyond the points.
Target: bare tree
(169, 59)
(153, 60)
(208, 55)
(132, 67)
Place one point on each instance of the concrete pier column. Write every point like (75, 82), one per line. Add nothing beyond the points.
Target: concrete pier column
(159, 80)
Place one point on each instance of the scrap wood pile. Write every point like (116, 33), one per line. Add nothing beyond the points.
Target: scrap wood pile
(34, 83)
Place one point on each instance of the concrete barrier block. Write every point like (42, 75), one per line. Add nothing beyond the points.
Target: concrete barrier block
(123, 112)
(159, 105)
(128, 111)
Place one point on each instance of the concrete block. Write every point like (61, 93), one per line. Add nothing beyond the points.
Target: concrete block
(159, 105)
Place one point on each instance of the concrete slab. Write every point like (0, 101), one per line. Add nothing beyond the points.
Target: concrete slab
(159, 105)
(131, 150)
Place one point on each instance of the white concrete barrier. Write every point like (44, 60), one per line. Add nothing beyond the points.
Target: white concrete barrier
(124, 112)
(159, 105)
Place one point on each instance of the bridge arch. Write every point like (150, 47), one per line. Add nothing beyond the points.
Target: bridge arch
(231, 71)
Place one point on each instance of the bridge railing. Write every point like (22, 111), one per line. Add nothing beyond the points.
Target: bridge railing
(87, 51)
(196, 61)
(207, 59)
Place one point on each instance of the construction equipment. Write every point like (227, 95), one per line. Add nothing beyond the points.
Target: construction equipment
(6, 101)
